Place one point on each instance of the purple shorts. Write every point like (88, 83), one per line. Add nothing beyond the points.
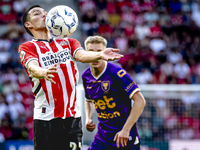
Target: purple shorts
(98, 145)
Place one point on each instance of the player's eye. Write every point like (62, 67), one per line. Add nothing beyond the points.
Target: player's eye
(36, 13)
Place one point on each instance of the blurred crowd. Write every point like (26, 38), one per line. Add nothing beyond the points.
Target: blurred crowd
(159, 38)
(16, 100)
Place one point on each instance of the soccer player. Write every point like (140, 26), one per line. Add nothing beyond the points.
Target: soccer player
(50, 64)
(110, 90)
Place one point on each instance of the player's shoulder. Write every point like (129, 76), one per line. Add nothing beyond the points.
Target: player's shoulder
(71, 40)
(113, 67)
(26, 45)
(114, 64)
(86, 72)
(114, 70)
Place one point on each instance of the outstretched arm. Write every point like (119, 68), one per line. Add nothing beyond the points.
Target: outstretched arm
(36, 71)
(107, 54)
(89, 112)
(122, 136)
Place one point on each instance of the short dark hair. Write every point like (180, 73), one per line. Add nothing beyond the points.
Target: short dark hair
(25, 18)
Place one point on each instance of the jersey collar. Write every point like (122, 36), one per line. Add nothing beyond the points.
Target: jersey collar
(43, 40)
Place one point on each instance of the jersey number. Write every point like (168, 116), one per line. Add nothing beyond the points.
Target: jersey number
(74, 146)
(121, 73)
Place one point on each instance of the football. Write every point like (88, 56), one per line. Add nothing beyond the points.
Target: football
(61, 21)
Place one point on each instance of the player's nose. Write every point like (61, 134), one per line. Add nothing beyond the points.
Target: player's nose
(44, 14)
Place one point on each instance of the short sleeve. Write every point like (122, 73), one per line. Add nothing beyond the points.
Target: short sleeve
(27, 52)
(75, 45)
(126, 82)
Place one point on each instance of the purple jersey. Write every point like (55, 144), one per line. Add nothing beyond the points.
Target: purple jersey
(111, 93)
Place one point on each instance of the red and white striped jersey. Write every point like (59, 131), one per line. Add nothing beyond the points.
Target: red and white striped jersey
(53, 100)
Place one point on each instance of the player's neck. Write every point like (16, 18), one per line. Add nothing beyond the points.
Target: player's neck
(97, 71)
(43, 35)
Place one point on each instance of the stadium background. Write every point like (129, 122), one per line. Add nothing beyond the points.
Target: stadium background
(160, 40)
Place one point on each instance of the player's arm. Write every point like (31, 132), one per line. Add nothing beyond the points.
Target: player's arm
(138, 106)
(89, 112)
(87, 56)
(36, 71)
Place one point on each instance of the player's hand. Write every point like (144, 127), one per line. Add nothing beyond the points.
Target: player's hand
(90, 126)
(110, 54)
(121, 138)
(49, 73)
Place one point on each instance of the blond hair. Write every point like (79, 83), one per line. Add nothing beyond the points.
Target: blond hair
(95, 39)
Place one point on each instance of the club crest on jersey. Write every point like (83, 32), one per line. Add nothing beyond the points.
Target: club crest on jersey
(105, 85)
(22, 54)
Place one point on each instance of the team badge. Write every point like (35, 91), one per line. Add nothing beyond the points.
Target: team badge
(22, 54)
(105, 85)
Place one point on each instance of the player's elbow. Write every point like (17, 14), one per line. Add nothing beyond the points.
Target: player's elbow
(143, 102)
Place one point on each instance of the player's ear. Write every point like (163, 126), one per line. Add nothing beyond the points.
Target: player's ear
(27, 25)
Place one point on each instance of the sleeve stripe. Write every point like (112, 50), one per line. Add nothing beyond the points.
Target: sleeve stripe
(133, 92)
(76, 51)
(29, 61)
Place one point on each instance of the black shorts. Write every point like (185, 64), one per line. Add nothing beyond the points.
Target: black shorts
(58, 134)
